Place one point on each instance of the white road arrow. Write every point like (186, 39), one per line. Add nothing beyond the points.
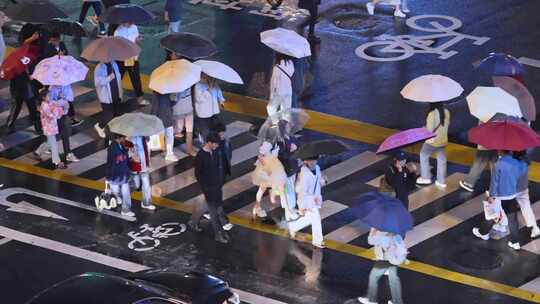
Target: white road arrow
(26, 207)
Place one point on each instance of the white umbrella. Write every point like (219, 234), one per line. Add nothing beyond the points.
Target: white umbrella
(485, 102)
(136, 124)
(60, 70)
(431, 88)
(174, 76)
(286, 42)
(219, 71)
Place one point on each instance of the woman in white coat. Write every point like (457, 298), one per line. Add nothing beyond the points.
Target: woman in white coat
(309, 198)
(281, 84)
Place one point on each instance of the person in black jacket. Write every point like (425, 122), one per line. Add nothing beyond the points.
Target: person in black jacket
(401, 176)
(210, 176)
(287, 146)
(224, 149)
(118, 172)
(55, 46)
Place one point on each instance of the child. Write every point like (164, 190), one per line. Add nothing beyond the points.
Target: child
(50, 112)
(118, 172)
(140, 165)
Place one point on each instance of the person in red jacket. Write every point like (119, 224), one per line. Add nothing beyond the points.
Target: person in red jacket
(140, 169)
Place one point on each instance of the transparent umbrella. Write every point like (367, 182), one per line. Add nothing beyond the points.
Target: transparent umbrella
(283, 123)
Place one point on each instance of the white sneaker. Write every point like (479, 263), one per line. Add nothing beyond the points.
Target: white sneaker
(72, 158)
(207, 216)
(365, 300)
(399, 13)
(477, 233)
(143, 101)
(405, 8)
(228, 226)
(99, 131)
(370, 8)
(535, 232)
(466, 186)
(423, 181)
(128, 213)
(149, 207)
(171, 158)
(514, 246)
(442, 186)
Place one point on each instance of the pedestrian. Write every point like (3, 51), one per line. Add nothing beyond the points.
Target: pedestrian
(398, 12)
(50, 112)
(401, 177)
(140, 170)
(209, 175)
(173, 15)
(390, 252)
(207, 100)
(67, 93)
(437, 121)
(313, 7)
(21, 90)
(523, 198)
(269, 174)
(503, 192)
(108, 84)
(162, 107)
(96, 5)
(308, 189)
(118, 172)
(287, 145)
(225, 148)
(55, 46)
(3, 19)
(281, 84)
(108, 4)
(482, 159)
(130, 32)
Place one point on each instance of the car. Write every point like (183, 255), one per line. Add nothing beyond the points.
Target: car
(156, 287)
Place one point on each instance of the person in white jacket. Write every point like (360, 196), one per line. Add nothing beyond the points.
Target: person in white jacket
(108, 84)
(309, 198)
(281, 85)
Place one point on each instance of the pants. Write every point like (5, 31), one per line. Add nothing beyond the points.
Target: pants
(169, 140)
(316, 227)
(375, 275)
(134, 76)
(122, 191)
(214, 205)
(71, 111)
(97, 9)
(187, 122)
(313, 16)
(278, 103)
(524, 202)
(109, 111)
(142, 180)
(206, 125)
(64, 127)
(425, 153)
(53, 145)
(481, 160)
(174, 27)
(510, 207)
(16, 108)
(290, 193)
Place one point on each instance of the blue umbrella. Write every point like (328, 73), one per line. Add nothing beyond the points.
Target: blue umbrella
(383, 212)
(499, 64)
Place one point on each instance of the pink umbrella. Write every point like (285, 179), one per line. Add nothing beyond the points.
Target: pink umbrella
(404, 138)
(520, 92)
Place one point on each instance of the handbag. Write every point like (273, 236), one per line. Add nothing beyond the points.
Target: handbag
(107, 199)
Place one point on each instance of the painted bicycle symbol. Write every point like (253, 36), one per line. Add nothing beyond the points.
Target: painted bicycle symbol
(148, 237)
(402, 47)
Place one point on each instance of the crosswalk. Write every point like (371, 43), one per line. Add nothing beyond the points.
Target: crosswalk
(176, 180)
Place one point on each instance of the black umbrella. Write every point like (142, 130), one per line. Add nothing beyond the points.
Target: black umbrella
(66, 27)
(320, 147)
(189, 45)
(37, 11)
(127, 13)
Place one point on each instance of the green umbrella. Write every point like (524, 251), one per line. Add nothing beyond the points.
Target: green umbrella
(136, 124)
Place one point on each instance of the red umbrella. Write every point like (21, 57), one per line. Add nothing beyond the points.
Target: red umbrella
(16, 63)
(504, 135)
(404, 138)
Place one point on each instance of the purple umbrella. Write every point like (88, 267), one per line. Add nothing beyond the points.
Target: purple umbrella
(404, 138)
(520, 92)
(499, 64)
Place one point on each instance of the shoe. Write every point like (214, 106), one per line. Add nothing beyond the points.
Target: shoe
(75, 122)
(194, 227)
(171, 158)
(149, 207)
(399, 13)
(292, 216)
(72, 158)
(514, 246)
(319, 245)
(59, 166)
(465, 186)
(370, 8)
(37, 155)
(365, 300)
(535, 232)
(127, 213)
(100, 131)
(258, 212)
(477, 233)
(221, 238)
(92, 20)
(143, 101)
(47, 151)
(405, 8)
(442, 186)
(207, 216)
(228, 226)
(423, 181)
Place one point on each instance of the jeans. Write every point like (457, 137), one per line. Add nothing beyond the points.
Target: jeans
(53, 145)
(134, 76)
(214, 205)
(174, 27)
(97, 9)
(375, 275)
(124, 193)
(481, 160)
(425, 153)
(169, 141)
(290, 193)
(142, 180)
(510, 207)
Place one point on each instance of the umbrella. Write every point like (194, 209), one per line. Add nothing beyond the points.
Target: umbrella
(16, 63)
(484, 102)
(520, 92)
(286, 42)
(174, 76)
(382, 212)
(189, 45)
(60, 70)
(320, 147)
(109, 49)
(504, 135)
(499, 64)
(37, 11)
(66, 27)
(404, 138)
(431, 88)
(136, 124)
(219, 71)
(286, 122)
(127, 13)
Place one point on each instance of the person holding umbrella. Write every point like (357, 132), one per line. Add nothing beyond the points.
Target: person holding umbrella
(207, 100)
(523, 198)
(118, 172)
(401, 177)
(173, 15)
(140, 170)
(108, 84)
(50, 114)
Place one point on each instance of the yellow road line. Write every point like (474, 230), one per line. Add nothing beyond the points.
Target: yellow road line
(418, 267)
